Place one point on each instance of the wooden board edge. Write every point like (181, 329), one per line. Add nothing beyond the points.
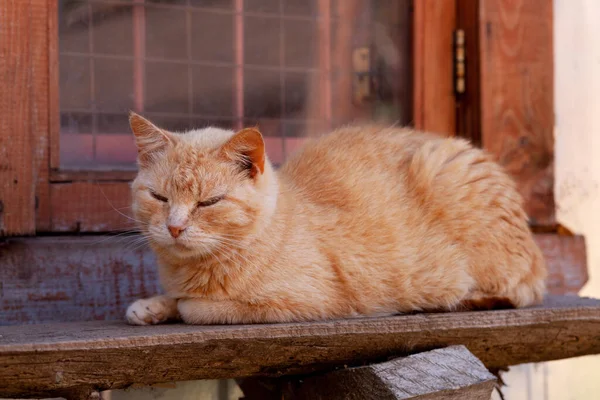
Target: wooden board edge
(498, 338)
(566, 258)
(70, 176)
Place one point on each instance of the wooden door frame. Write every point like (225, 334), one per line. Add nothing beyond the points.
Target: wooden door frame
(434, 102)
(508, 105)
(516, 83)
(23, 113)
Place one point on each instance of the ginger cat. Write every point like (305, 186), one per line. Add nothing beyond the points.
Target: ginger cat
(364, 221)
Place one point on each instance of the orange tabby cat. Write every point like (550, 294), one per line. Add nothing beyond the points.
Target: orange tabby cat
(364, 221)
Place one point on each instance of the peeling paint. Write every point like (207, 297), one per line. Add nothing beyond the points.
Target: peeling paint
(64, 279)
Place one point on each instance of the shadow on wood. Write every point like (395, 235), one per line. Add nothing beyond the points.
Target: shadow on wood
(448, 373)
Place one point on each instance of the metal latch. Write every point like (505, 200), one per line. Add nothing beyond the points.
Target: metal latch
(361, 84)
(460, 85)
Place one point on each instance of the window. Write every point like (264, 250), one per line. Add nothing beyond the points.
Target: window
(292, 67)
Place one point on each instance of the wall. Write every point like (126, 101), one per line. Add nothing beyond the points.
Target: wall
(577, 134)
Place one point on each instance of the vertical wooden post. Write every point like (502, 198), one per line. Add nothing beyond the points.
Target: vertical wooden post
(517, 97)
(23, 144)
(434, 101)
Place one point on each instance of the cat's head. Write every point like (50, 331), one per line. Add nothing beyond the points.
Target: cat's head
(203, 191)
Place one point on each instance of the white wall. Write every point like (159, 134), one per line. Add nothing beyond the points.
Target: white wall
(577, 134)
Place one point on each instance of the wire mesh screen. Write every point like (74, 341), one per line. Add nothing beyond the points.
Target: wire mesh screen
(295, 68)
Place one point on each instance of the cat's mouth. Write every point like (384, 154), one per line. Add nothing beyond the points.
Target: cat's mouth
(182, 250)
(185, 251)
(181, 246)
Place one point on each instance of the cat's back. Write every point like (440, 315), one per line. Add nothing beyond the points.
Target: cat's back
(357, 167)
(351, 159)
(400, 180)
(393, 195)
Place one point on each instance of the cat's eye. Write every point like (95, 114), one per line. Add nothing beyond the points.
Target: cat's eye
(159, 197)
(210, 202)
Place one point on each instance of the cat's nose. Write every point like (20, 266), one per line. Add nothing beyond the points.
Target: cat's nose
(175, 231)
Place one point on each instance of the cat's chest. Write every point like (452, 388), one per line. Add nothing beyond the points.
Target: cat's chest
(211, 282)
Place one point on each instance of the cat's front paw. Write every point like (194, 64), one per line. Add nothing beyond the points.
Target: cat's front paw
(152, 311)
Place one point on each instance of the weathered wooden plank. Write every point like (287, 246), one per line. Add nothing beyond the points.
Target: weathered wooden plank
(17, 143)
(434, 101)
(567, 262)
(517, 97)
(48, 279)
(64, 279)
(91, 207)
(448, 373)
(42, 360)
(69, 176)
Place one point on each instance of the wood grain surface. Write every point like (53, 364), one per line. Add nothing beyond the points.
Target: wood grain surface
(517, 96)
(434, 108)
(91, 207)
(42, 45)
(47, 359)
(17, 111)
(447, 373)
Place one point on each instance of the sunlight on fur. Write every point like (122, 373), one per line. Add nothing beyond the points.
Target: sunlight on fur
(365, 221)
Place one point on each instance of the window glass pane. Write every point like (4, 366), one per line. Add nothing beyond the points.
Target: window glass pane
(296, 68)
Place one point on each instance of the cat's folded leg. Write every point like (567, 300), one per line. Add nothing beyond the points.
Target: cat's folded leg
(202, 311)
(153, 310)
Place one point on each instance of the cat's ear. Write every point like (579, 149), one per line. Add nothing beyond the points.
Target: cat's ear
(247, 149)
(149, 138)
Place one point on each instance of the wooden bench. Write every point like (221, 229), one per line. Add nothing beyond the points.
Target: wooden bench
(75, 359)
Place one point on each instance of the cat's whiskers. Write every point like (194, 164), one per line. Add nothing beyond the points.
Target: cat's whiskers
(137, 239)
(117, 210)
(118, 237)
(138, 244)
(142, 239)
